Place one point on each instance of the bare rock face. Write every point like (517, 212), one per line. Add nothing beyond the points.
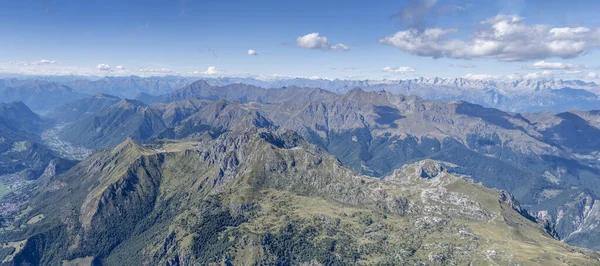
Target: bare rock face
(431, 169)
(56, 167)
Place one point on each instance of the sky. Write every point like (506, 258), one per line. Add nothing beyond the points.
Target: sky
(352, 39)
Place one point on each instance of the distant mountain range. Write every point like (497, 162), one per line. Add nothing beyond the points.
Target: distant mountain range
(39, 95)
(43, 95)
(524, 95)
(130, 87)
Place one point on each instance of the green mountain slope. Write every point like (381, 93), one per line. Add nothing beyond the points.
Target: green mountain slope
(259, 197)
(21, 150)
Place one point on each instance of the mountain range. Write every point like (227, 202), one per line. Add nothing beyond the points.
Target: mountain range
(43, 94)
(520, 95)
(548, 161)
(237, 157)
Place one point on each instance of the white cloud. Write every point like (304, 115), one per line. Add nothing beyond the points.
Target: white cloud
(46, 62)
(211, 70)
(252, 52)
(103, 67)
(553, 65)
(317, 42)
(504, 37)
(120, 67)
(339, 47)
(398, 69)
(573, 72)
(592, 75)
(155, 70)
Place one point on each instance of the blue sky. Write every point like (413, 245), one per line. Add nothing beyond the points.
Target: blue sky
(364, 39)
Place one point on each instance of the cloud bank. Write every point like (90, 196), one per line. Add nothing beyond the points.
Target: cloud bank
(503, 37)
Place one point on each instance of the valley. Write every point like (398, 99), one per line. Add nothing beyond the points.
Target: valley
(51, 138)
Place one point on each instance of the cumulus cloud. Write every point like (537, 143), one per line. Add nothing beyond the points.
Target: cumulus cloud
(252, 52)
(592, 75)
(103, 67)
(397, 69)
(553, 65)
(503, 37)
(317, 42)
(211, 70)
(120, 67)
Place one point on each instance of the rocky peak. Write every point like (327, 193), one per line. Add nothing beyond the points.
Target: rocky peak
(430, 169)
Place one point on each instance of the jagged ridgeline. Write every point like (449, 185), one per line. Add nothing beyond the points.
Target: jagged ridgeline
(265, 197)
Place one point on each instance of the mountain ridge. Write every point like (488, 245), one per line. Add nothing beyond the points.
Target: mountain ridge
(259, 188)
